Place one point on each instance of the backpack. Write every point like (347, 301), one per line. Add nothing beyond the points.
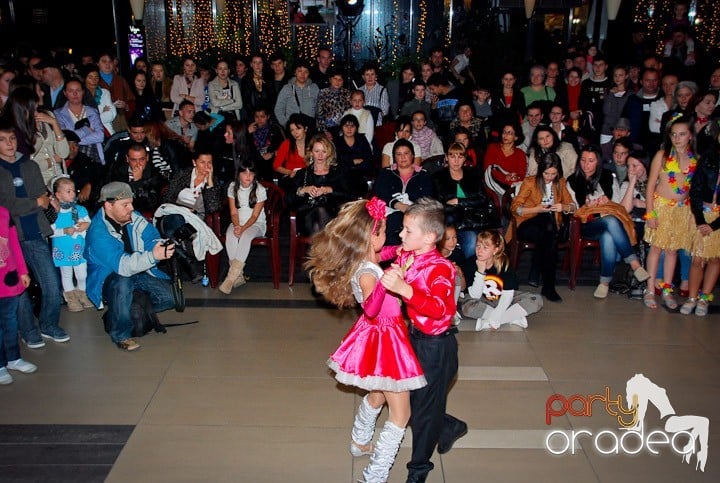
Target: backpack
(144, 319)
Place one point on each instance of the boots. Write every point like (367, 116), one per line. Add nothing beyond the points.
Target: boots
(73, 304)
(534, 276)
(234, 272)
(241, 278)
(83, 299)
(383, 457)
(363, 427)
(549, 263)
(548, 289)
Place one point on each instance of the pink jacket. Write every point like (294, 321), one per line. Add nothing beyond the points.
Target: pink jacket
(12, 263)
(432, 277)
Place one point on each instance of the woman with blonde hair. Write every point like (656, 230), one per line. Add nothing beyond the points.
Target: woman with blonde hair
(320, 188)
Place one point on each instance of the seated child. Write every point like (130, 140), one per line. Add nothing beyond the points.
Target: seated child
(364, 116)
(494, 298)
(450, 249)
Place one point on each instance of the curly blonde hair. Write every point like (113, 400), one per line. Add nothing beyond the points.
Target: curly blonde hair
(338, 250)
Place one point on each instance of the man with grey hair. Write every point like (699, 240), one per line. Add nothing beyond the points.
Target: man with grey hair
(537, 90)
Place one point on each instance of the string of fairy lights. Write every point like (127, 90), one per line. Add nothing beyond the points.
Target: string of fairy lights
(274, 20)
(394, 26)
(233, 35)
(704, 15)
(309, 37)
(421, 25)
(709, 34)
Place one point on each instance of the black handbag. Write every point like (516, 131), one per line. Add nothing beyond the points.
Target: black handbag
(480, 215)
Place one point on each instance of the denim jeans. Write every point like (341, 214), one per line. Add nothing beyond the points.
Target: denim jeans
(467, 239)
(614, 242)
(39, 260)
(118, 296)
(684, 260)
(9, 348)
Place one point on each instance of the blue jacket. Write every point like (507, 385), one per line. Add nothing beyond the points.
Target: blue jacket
(105, 252)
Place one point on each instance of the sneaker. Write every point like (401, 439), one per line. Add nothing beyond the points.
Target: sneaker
(5, 377)
(601, 291)
(56, 334)
(34, 343)
(22, 365)
(128, 345)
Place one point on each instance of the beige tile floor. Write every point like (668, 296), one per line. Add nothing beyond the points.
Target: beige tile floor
(245, 396)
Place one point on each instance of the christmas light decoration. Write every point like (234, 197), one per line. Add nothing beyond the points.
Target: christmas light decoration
(421, 26)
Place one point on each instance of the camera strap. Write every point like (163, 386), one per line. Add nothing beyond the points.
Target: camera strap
(124, 233)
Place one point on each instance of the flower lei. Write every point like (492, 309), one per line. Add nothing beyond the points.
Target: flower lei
(706, 297)
(672, 167)
(376, 208)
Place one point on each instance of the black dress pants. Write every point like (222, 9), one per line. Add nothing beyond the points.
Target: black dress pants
(542, 231)
(438, 358)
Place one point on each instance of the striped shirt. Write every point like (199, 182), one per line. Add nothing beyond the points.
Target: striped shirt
(378, 97)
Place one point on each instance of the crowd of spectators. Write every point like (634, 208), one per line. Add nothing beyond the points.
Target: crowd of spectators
(562, 136)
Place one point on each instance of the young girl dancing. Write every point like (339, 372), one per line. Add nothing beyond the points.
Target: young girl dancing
(705, 207)
(667, 211)
(376, 354)
(246, 198)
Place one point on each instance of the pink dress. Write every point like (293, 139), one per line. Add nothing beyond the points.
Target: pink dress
(376, 353)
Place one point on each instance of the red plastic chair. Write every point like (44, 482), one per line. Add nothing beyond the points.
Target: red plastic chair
(274, 207)
(578, 245)
(298, 245)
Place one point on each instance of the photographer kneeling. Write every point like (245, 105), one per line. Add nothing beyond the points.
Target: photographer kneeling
(122, 250)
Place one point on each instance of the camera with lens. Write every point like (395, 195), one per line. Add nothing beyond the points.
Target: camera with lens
(182, 238)
(181, 233)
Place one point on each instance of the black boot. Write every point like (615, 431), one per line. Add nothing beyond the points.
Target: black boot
(548, 290)
(534, 276)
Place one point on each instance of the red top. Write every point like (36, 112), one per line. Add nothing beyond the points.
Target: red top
(515, 163)
(573, 94)
(286, 159)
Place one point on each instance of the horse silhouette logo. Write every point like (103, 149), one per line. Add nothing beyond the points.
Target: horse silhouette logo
(640, 391)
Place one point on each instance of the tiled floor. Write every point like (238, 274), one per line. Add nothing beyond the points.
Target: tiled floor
(245, 396)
